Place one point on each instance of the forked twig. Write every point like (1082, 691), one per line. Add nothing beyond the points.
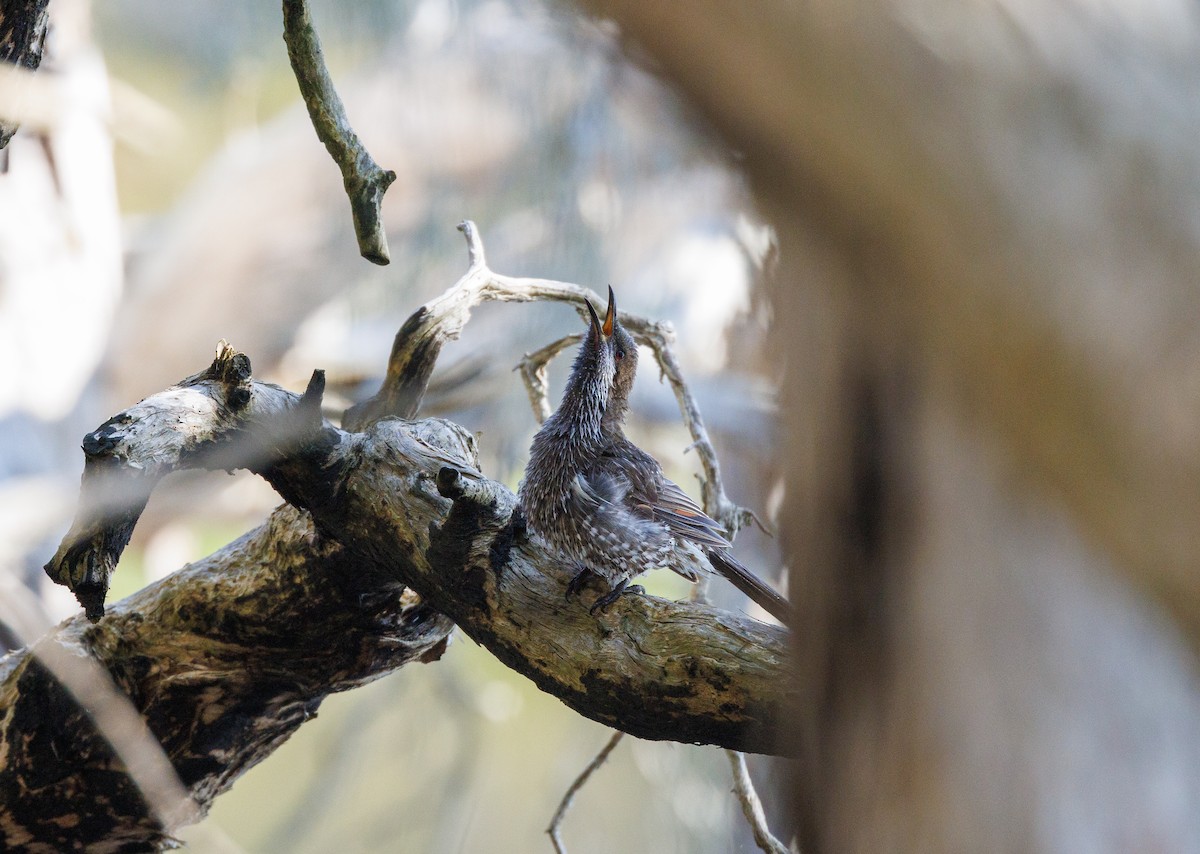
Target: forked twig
(573, 789)
(533, 373)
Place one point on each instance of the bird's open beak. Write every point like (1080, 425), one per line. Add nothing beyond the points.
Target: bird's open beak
(610, 319)
(595, 323)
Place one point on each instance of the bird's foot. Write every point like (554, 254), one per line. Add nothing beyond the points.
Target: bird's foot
(619, 589)
(576, 584)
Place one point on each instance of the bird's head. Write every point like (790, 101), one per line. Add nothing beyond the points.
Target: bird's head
(617, 352)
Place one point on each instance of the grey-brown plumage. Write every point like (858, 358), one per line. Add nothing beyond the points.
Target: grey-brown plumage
(604, 503)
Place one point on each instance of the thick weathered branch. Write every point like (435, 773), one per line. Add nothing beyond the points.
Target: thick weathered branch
(203, 422)
(407, 505)
(223, 660)
(653, 668)
(364, 180)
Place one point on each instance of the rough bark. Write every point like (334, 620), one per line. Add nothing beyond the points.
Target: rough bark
(223, 660)
(406, 503)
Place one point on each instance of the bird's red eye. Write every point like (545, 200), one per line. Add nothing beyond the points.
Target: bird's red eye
(620, 354)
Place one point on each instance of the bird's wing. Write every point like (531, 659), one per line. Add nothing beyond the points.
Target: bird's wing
(652, 496)
(673, 507)
(603, 497)
(601, 490)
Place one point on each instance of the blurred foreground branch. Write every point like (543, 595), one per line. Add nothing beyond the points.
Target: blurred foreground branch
(862, 130)
(986, 303)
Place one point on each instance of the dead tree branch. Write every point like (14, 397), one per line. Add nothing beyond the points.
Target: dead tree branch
(752, 809)
(364, 180)
(226, 657)
(223, 660)
(419, 342)
(533, 373)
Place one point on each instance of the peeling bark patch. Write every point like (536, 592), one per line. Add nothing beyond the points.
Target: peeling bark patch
(228, 367)
(106, 437)
(702, 671)
(436, 652)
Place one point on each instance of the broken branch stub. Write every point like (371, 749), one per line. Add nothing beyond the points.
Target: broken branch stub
(216, 419)
(365, 182)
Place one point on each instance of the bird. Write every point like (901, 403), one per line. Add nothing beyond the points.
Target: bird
(602, 502)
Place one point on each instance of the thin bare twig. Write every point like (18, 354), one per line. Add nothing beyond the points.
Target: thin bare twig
(573, 789)
(364, 180)
(743, 788)
(533, 373)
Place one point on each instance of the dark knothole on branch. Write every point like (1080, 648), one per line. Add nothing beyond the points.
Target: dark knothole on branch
(500, 551)
(475, 510)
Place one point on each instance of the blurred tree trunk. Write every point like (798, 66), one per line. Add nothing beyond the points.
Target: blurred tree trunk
(987, 218)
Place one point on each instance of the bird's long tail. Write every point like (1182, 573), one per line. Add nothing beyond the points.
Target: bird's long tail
(750, 584)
